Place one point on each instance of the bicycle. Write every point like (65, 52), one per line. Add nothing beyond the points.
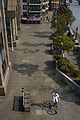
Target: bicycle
(50, 107)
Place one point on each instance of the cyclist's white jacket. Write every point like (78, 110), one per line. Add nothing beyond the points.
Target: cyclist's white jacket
(55, 97)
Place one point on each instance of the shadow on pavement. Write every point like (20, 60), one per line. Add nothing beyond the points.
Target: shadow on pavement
(25, 69)
(66, 93)
(46, 107)
(28, 50)
(31, 51)
(77, 57)
(50, 65)
(34, 44)
(43, 34)
(48, 52)
(27, 44)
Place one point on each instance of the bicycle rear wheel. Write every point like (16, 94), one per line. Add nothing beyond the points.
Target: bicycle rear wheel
(52, 111)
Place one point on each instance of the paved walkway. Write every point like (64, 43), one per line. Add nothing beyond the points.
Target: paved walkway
(33, 68)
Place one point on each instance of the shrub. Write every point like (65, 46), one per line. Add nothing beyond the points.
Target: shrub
(76, 73)
(64, 68)
(57, 57)
(71, 67)
(63, 65)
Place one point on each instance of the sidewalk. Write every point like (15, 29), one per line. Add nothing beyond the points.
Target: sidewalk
(33, 68)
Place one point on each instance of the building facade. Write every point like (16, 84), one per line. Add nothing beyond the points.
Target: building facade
(12, 12)
(31, 7)
(54, 4)
(4, 54)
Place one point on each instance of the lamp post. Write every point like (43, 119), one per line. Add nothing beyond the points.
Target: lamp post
(76, 32)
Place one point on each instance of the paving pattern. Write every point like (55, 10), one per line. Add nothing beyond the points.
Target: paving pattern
(33, 68)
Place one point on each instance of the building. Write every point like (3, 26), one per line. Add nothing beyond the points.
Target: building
(31, 7)
(64, 4)
(4, 54)
(12, 12)
(53, 4)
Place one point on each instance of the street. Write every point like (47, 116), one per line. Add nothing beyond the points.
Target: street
(33, 68)
(75, 7)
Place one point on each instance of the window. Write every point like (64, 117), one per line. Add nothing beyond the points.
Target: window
(35, 1)
(35, 8)
(5, 4)
(25, 7)
(24, 0)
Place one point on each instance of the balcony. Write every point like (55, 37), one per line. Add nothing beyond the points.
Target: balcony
(34, 3)
(47, 2)
(43, 3)
(47, 8)
(36, 10)
(43, 10)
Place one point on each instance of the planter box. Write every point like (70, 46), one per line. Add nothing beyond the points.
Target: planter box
(75, 87)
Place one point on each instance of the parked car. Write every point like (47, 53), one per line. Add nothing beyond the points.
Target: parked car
(76, 42)
(76, 48)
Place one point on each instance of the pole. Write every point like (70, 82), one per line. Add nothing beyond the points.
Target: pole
(11, 36)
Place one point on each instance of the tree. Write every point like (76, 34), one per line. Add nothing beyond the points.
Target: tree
(61, 20)
(67, 14)
(61, 26)
(63, 43)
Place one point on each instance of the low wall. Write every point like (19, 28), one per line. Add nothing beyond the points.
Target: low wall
(75, 87)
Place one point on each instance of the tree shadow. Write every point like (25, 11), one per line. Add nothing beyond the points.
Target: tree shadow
(26, 44)
(43, 34)
(50, 70)
(48, 52)
(31, 51)
(25, 69)
(50, 65)
(28, 51)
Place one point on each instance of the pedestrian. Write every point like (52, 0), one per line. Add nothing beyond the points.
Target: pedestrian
(43, 18)
(47, 17)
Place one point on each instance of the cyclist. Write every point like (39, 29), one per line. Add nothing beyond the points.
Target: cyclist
(56, 98)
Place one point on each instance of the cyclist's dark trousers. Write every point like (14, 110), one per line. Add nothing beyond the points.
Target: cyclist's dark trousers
(55, 104)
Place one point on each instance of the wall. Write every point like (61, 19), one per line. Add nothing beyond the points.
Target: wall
(75, 87)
